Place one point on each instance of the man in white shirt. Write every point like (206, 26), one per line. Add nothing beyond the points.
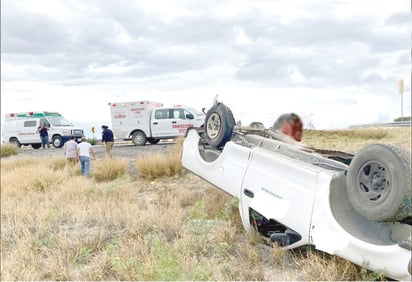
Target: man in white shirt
(84, 153)
(70, 151)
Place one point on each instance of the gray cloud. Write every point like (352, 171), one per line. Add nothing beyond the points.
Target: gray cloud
(111, 40)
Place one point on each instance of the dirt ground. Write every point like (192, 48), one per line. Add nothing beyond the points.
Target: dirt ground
(120, 150)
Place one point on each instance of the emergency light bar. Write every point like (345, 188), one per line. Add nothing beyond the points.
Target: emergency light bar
(32, 114)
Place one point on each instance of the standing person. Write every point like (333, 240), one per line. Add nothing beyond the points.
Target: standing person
(70, 151)
(44, 135)
(107, 138)
(84, 153)
(290, 125)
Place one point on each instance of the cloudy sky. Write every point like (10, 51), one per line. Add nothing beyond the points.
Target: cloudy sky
(334, 62)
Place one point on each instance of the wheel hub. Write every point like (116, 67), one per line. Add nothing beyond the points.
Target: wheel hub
(373, 182)
(138, 139)
(213, 125)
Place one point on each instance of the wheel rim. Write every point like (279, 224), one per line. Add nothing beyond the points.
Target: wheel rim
(213, 125)
(56, 142)
(373, 182)
(138, 138)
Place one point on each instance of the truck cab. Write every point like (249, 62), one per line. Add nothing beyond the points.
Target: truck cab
(148, 121)
(172, 122)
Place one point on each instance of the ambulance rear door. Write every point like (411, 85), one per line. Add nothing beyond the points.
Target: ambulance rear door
(128, 117)
(28, 131)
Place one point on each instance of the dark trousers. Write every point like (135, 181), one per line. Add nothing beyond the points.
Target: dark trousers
(45, 141)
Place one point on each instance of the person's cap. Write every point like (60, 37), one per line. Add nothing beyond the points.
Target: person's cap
(105, 126)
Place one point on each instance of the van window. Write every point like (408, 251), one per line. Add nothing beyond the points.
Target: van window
(45, 121)
(59, 121)
(30, 123)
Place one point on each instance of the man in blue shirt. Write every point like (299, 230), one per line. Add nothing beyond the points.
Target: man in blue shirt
(107, 138)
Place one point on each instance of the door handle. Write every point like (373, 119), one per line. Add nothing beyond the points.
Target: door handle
(174, 121)
(248, 193)
(155, 123)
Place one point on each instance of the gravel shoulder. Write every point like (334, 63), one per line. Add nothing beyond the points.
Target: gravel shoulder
(120, 150)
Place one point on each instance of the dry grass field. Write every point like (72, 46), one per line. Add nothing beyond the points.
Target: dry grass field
(165, 224)
(352, 140)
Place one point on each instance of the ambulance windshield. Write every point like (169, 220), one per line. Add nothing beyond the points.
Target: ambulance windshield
(59, 121)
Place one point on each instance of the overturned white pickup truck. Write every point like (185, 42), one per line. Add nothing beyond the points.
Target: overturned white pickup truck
(357, 207)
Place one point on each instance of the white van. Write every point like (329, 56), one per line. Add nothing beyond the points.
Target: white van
(21, 129)
(147, 121)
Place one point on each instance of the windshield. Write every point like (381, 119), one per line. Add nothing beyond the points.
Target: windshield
(195, 112)
(59, 121)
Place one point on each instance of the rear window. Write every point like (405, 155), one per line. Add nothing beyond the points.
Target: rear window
(162, 114)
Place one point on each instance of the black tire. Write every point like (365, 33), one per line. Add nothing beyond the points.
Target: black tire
(36, 146)
(219, 123)
(57, 141)
(153, 141)
(16, 142)
(139, 138)
(379, 183)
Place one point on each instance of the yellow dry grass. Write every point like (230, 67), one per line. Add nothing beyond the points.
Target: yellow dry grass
(8, 150)
(158, 165)
(109, 169)
(352, 140)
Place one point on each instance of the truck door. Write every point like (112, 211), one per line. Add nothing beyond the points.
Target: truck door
(161, 123)
(280, 189)
(182, 120)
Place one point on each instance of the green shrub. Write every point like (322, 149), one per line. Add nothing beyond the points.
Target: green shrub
(9, 150)
(92, 141)
(403, 119)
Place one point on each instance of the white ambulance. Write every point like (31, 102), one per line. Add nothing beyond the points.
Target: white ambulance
(21, 129)
(147, 121)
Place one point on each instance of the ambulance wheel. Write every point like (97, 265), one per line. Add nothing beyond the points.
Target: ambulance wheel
(379, 182)
(139, 138)
(153, 141)
(15, 142)
(36, 146)
(57, 141)
(219, 123)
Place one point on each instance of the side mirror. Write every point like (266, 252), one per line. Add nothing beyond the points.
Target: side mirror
(190, 116)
